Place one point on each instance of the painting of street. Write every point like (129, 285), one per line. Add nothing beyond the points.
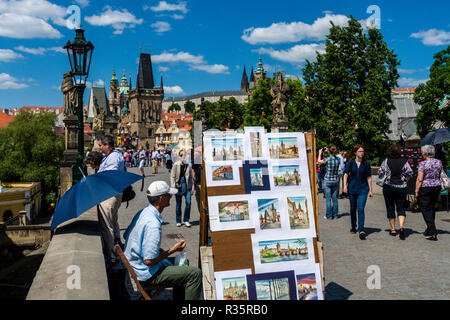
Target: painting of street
(298, 212)
(256, 177)
(222, 173)
(269, 214)
(283, 148)
(286, 175)
(306, 286)
(233, 211)
(255, 144)
(234, 288)
(272, 289)
(283, 250)
(227, 149)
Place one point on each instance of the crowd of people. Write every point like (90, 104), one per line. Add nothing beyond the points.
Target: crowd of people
(354, 171)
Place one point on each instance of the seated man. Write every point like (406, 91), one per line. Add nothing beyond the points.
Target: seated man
(142, 248)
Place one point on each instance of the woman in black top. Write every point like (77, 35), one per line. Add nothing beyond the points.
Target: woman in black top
(398, 172)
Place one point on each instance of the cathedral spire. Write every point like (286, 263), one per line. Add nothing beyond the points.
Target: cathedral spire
(244, 81)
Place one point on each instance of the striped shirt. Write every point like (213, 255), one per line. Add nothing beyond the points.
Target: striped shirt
(333, 164)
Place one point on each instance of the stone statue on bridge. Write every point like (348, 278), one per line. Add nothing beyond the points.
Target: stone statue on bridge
(70, 95)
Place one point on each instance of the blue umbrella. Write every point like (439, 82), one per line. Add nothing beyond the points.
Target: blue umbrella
(436, 137)
(90, 191)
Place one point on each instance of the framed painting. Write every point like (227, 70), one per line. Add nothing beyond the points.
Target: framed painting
(281, 249)
(309, 282)
(272, 286)
(232, 285)
(285, 146)
(222, 173)
(255, 143)
(289, 174)
(256, 176)
(270, 214)
(224, 147)
(229, 212)
(300, 212)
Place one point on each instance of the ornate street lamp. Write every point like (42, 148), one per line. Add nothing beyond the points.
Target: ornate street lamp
(79, 52)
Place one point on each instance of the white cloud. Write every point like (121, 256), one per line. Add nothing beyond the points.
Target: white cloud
(293, 32)
(178, 57)
(99, 83)
(8, 55)
(163, 69)
(295, 55)
(17, 26)
(177, 16)
(410, 82)
(214, 69)
(164, 6)
(173, 90)
(39, 51)
(161, 26)
(83, 3)
(118, 19)
(433, 37)
(9, 82)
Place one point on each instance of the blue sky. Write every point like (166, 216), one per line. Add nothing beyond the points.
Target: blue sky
(198, 45)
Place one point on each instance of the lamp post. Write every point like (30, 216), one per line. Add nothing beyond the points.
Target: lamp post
(79, 52)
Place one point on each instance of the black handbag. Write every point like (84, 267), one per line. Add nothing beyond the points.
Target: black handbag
(128, 194)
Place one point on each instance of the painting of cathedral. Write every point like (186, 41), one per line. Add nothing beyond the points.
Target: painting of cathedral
(283, 148)
(234, 288)
(227, 149)
(298, 212)
(269, 214)
(286, 175)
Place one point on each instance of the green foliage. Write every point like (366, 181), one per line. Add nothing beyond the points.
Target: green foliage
(298, 111)
(429, 95)
(349, 89)
(174, 107)
(258, 110)
(30, 151)
(189, 106)
(223, 114)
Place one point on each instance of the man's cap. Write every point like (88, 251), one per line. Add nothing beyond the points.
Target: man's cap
(158, 188)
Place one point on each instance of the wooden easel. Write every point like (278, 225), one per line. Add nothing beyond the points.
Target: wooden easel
(232, 250)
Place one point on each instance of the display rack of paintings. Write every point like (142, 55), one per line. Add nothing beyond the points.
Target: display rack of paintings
(272, 213)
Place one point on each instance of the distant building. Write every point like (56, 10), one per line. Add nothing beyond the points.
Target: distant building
(5, 119)
(174, 129)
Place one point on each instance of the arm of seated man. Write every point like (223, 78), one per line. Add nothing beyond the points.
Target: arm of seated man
(179, 246)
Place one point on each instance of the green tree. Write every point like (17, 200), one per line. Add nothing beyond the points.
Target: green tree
(228, 114)
(349, 89)
(189, 106)
(30, 151)
(258, 110)
(298, 111)
(430, 95)
(174, 107)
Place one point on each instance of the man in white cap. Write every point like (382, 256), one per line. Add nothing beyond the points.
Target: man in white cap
(149, 261)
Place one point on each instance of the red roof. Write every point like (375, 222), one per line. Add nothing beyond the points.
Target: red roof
(404, 89)
(5, 119)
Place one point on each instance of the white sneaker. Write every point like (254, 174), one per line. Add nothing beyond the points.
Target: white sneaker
(178, 224)
(187, 224)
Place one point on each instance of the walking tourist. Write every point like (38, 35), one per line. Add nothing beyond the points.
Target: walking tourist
(169, 162)
(154, 158)
(358, 185)
(113, 160)
(428, 187)
(397, 172)
(342, 159)
(331, 181)
(149, 261)
(181, 178)
(142, 156)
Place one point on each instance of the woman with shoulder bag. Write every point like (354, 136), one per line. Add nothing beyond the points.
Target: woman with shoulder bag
(397, 172)
(428, 187)
(358, 185)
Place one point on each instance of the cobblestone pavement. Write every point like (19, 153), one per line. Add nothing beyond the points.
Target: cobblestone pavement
(411, 269)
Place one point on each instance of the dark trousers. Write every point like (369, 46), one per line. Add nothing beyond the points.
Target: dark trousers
(394, 198)
(357, 204)
(426, 200)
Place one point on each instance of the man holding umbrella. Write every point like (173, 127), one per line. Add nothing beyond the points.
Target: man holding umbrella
(113, 160)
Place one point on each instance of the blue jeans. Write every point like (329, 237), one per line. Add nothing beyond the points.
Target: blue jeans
(319, 182)
(357, 203)
(331, 193)
(187, 209)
